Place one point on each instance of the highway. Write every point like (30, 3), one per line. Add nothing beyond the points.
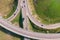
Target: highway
(24, 17)
(5, 24)
(39, 24)
(16, 12)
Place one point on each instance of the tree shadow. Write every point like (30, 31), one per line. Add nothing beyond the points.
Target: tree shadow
(21, 19)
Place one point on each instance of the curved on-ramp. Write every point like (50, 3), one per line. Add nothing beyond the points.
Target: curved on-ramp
(39, 24)
(16, 12)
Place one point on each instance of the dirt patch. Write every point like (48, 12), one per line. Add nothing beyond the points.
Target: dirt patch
(5, 7)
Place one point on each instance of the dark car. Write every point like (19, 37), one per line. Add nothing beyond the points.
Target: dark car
(23, 1)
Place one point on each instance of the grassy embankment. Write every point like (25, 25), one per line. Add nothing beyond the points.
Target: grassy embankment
(12, 7)
(47, 10)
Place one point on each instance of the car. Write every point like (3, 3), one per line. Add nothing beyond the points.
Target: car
(14, 14)
(23, 1)
(41, 25)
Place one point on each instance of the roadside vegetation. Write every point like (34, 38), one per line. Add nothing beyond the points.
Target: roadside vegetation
(16, 19)
(11, 6)
(35, 28)
(48, 11)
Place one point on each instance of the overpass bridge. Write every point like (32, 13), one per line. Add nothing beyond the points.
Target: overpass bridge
(5, 24)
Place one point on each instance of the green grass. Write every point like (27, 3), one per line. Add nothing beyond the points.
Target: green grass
(16, 18)
(48, 10)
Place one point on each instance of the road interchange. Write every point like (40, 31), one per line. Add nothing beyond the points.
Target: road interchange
(25, 33)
